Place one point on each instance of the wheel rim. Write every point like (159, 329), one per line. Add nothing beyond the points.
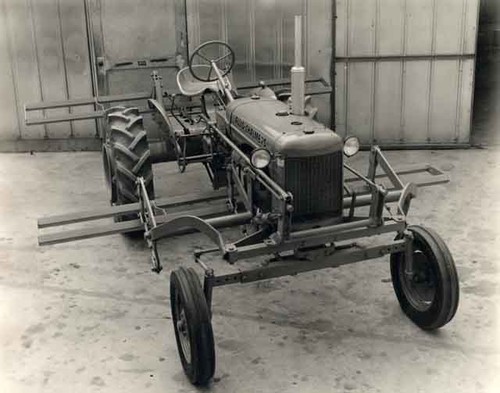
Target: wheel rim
(181, 325)
(420, 287)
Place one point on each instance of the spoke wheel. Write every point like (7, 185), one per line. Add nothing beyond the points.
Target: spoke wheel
(192, 326)
(429, 296)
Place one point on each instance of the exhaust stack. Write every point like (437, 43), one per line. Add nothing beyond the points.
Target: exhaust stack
(298, 73)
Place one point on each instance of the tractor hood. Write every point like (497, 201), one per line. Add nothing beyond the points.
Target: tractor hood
(270, 124)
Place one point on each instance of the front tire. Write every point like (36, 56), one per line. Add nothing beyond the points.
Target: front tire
(192, 326)
(430, 296)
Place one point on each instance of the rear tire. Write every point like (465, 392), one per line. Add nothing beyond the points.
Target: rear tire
(429, 297)
(192, 326)
(129, 157)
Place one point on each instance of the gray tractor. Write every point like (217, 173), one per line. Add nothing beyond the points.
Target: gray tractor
(281, 174)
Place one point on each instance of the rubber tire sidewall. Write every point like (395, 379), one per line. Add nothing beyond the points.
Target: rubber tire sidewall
(445, 303)
(185, 283)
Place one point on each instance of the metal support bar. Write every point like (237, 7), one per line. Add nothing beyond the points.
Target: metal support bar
(130, 208)
(87, 101)
(370, 59)
(208, 288)
(241, 188)
(147, 214)
(433, 172)
(280, 82)
(72, 117)
(67, 117)
(322, 236)
(382, 161)
(377, 206)
(136, 225)
(332, 259)
(331, 229)
(261, 175)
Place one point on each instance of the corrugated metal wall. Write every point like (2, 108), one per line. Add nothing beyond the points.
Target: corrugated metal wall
(43, 57)
(405, 70)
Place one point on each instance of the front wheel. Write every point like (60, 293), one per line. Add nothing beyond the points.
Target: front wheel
(429, 296)
(192, 326)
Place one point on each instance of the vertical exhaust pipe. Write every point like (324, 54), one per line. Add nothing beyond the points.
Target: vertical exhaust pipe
(298, 73)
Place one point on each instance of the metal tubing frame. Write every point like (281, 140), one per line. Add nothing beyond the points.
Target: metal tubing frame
(325, 258)
(349, 202)
(96, 101)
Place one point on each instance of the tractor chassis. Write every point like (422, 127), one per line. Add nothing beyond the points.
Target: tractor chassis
(299, 251)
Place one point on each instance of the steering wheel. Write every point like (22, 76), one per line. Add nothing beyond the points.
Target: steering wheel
(224, 63)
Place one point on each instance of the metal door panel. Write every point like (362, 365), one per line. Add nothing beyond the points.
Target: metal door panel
(134, 29)
(24, 63)
(471, 26)
(49, 51)
(342, 28)
(443, 104)
(77, 65)
(318, 51)
(416, 101)
(361, 16)
(211, 20)
(449, 26)
(387, 120)
(239, 24)
(360, 100)
(390, 28)
(131, 40)
(193, 23)
(8, 110)
(415, 41)
(464, 115)
(419, 26)
(340, 98)
(266, 54)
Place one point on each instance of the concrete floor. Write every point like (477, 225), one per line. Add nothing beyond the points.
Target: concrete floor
(91, 317)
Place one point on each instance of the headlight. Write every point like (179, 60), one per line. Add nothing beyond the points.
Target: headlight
(351, 146)
(260, 158)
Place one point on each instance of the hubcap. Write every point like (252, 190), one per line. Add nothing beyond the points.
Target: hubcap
(420, 287)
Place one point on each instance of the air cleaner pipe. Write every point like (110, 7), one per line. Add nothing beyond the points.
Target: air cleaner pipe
(298, 73)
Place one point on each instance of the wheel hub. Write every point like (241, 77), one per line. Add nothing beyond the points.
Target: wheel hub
(182, 329)
(420, 286)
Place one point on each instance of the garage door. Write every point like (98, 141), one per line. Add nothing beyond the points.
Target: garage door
(405, 70)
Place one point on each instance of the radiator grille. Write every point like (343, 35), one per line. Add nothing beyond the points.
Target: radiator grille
(316, 184)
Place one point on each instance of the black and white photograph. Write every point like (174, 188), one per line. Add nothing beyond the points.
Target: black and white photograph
(255, 196)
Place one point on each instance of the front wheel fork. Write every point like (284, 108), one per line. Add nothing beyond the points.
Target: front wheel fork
(409, 255)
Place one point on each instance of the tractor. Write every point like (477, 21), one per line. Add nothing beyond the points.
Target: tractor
(278, 172)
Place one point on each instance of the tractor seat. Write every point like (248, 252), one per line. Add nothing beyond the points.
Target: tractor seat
(190, 86)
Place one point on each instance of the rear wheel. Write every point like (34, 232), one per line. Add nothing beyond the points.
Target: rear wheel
(429, 296)
(126, 157)
(192, 326)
